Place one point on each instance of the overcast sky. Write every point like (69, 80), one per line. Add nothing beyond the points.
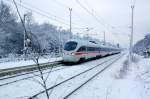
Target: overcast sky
(113, 17)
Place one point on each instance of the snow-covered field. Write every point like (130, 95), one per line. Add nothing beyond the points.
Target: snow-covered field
(29, 87)
(106, 86)
(12, 64)
(134, 85)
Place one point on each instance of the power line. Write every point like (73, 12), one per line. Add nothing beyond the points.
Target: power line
(47, 13)
(40, 13)
(43, 13)
(94, 16)
(88, 5)
(97, 19)
(92, 13)
(42, 10)
(66, 6)
(81, 5)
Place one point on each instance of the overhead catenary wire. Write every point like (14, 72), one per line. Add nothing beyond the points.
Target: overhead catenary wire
(89, 12)
(93, 11)
(102, 22)
(55, 18)
(50, 14)
(93, 15)
(74, 11)
(44, 14)
(26, 4)
(40, 13)
(66, 6)
(106, 26)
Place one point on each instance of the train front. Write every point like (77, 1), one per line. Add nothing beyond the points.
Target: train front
(70, 49)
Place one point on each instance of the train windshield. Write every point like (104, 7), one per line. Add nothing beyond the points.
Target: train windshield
(69, 46)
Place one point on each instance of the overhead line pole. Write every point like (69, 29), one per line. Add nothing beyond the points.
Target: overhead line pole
(104, 38)
(24, 27)
(24, 36)
(19, 15)
(131, 37)
(70, 9)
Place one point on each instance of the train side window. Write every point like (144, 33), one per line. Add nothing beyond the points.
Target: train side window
(97, 49)
(92, 48)
(89, 49)
(102, 49)
(83, 48)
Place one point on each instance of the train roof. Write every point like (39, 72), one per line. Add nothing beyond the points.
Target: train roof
(91, 43)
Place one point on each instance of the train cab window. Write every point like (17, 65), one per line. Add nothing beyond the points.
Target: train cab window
(69, 46)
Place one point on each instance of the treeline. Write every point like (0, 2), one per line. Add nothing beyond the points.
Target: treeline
(143, 45)
(45, 35)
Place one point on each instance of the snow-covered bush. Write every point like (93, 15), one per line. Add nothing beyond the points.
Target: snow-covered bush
(123, 70)
(142, 46)
(135, 58)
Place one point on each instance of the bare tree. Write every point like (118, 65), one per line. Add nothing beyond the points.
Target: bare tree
(35, 50)
(36, 54)
(43, 83)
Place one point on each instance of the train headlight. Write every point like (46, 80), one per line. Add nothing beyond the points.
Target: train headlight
(73, 54)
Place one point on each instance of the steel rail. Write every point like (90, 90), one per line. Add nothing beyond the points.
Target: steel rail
(16, 70)
(91, 78)
(11, 82)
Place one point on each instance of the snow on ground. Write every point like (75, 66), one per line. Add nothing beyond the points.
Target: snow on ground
(6, 65)
(74, 83)
(135, 85)
(29, 87)
(106, 86)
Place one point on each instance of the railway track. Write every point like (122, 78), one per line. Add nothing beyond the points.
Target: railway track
(21, 74)
(25, 78)
(29, 68)
(9, 78)
(79, 74)
(95, 75)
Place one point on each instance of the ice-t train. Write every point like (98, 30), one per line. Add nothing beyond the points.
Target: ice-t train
(80, 50)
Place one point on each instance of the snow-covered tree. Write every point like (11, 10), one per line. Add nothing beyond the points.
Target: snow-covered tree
(51, 38)
(143, 45)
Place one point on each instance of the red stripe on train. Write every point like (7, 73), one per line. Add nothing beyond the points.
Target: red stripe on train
(80, 53)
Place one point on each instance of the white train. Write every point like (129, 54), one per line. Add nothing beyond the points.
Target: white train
(80, 50)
